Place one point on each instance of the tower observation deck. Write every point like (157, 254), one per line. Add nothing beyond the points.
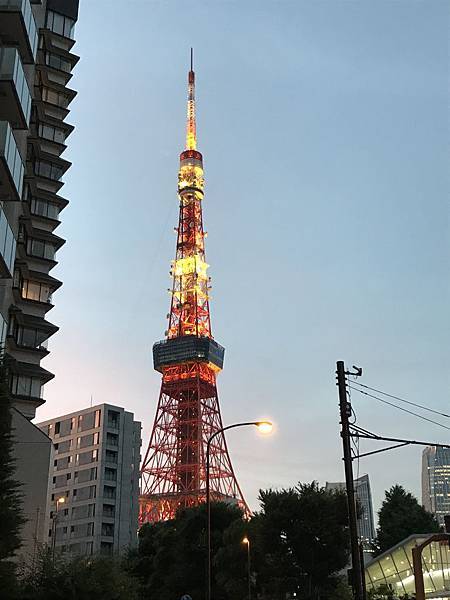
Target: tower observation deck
(173, 473)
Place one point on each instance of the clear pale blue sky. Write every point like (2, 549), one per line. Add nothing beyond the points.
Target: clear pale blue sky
(324, 127)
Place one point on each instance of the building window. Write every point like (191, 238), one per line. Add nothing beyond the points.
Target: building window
(41, 249)
(36, 291)
(60, 24)
(108, 510)
(57, 62)
(53, 97)
(111, 456)
(108, 529)
(106, 548)
(22, 385)
(97, 418)
(42, 168)
(110, 474)
(109, 491)
(30, 338)
(44, 208)
(51, 133)
(112, 439)
(113, 419)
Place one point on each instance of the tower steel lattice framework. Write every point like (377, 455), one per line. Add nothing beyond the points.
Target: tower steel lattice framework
(173, 473)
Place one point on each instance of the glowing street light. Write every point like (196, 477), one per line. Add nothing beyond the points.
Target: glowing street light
(264, 427)
(246, 541)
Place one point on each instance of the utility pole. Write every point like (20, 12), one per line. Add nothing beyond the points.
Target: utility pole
(345, 410)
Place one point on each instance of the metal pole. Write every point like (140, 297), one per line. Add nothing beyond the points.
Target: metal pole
(53, 538)
(418, 573)
(248, 567)
(55, 518)
(208, 519)
(208, 492)
(345, 410)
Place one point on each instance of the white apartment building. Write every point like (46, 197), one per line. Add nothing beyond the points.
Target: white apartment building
(93, 491)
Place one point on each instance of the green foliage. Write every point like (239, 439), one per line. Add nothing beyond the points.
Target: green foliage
(298, 543)
(10, 502)
(302, 538)
(400, 516)
(171, 559)
(81, 578)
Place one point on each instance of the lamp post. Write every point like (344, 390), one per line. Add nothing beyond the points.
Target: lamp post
(264, 427)
(55, 518)
(247, 542)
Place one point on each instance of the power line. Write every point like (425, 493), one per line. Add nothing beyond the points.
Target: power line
(436, 412)
(410, 412)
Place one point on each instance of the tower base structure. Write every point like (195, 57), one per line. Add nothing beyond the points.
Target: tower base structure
(173, 474)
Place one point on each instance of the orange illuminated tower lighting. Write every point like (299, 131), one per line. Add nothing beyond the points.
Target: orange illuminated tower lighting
(173, 473)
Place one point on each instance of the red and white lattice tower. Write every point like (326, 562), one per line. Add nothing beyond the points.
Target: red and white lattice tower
(174, 468)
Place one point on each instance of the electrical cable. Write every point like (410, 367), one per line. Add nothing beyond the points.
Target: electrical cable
(436, 412)
(410, 412)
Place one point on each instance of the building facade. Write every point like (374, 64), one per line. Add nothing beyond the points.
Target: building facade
(32, 460)
(436, 481)
(36, 62)
(93, 486)
(366, 527)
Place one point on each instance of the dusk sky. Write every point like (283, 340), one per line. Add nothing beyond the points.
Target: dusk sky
(324, 129)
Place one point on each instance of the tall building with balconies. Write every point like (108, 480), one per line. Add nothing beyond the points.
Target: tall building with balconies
(36, 61)
(93, 488)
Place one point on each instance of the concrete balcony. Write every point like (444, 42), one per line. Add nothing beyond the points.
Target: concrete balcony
(15, 106)
(11, 165)
(18, 28)
(7, 247)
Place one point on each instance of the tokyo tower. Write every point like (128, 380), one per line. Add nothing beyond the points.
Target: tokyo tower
(173, 473)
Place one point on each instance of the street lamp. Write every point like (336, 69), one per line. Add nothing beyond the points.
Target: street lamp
(55, 517)
(247, 542)
(264, 427)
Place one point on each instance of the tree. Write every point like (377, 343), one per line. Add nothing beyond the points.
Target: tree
(11, 518)
(400, 516)
(302, 539)
(83, 578)
(171, 558)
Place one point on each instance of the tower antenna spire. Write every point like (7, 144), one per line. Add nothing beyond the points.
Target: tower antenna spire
(191, 133)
